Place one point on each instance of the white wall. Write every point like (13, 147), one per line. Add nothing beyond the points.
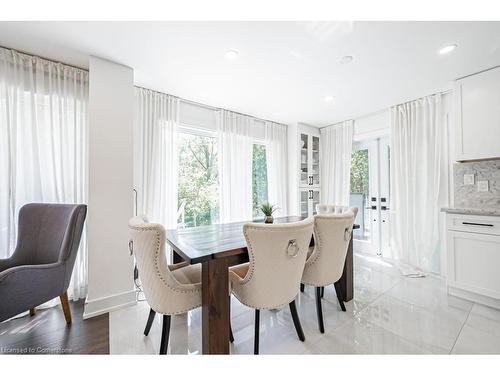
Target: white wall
(111, 104)
(372, 126)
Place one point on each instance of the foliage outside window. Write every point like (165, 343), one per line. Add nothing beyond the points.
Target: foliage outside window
(198, 180)
(359, 172)
(259, 179)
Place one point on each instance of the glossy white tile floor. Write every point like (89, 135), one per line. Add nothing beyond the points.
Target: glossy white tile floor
(390, 314)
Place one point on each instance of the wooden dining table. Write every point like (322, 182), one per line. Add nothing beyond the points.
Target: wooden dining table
(218, 247)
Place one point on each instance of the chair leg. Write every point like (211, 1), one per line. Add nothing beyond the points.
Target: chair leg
(151, 319)
(302, 287)
(322, 291)
(32, 311)
(319, 310)
(65, 306)
(340, 297)
(257, 329)
(231, 337)
(165, 333)
(296, 321)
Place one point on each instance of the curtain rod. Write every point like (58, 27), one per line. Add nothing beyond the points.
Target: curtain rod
(207, 106)
(43, 58)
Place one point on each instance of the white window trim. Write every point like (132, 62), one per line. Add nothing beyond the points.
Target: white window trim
(194, 130)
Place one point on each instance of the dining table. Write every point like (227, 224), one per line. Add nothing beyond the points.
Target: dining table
(218, 247)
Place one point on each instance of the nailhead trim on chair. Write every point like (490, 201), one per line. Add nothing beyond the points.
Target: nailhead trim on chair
(157, 269)
(251, 269)
(316, 251)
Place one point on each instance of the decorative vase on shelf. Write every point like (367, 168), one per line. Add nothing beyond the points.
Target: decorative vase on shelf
(268, 210)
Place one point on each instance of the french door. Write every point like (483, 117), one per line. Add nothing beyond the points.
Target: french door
(370, 194)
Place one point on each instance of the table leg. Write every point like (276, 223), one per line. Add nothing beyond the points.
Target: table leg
(176, 258)
(215, 306)
(347, 280)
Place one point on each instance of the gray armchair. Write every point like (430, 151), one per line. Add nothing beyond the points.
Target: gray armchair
(40, 268)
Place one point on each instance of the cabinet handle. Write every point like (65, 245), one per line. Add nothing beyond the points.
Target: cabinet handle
(477, 224)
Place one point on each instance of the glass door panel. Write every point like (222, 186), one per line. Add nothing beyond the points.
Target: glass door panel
(304, 202)
(315, 160)
(315, 199)
(370, 194)
(304, 159)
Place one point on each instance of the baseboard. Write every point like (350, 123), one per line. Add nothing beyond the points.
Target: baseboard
(107, 304)
(474, 297)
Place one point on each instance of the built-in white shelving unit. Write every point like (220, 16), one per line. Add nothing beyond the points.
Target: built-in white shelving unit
(304, 174)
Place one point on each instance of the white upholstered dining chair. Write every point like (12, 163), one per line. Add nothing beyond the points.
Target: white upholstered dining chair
(325, 264)
(271, 278)
(169, 289)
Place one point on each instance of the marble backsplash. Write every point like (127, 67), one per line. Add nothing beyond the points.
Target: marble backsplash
(468, 195)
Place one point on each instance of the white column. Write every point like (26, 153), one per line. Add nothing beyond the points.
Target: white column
(111, 105)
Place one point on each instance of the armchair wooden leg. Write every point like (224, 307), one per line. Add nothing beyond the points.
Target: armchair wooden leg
(257, 331)
(32, 311)
(302, 286)
(319, 310)
(322, 291)
(65, 306)
(150, 321)
(296, 321)
(165, 333)
(338, 290)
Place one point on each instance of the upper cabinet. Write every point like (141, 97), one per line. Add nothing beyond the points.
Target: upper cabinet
(478, 116)
(303, 169)
(309, 159)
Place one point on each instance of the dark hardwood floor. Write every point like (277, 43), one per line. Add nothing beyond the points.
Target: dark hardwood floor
(47, 333)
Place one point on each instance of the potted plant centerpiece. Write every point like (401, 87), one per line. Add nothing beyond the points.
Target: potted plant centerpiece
(268, 210)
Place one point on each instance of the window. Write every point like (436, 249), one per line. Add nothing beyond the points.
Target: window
(198, 180)
(259, 178)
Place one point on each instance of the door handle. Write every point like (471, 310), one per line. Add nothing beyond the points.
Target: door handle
(477, 224)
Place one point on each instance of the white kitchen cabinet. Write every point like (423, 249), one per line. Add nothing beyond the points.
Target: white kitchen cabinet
(473, 250)
(309, 160)
(478, 116)
(304, 175)
(308, 200)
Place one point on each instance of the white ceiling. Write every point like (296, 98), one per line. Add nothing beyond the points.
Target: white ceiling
(284, 69)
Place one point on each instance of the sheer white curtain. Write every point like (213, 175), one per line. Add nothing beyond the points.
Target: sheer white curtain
(235, 166)
(43, 144)
(419, 165)
(277, 166)
(156, 159)
(335, 167)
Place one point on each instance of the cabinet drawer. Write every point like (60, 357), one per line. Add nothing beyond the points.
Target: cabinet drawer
(474, 224)
(473, 262)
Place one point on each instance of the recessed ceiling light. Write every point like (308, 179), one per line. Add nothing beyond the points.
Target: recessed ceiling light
(447, 49)
(329, 98)
(346, 59)
(232, 54)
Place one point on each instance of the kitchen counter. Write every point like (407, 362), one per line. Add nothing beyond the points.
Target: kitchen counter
(472, 211)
